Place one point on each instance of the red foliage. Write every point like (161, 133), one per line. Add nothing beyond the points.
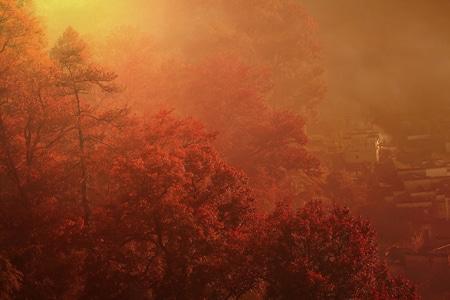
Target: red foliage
(181, 211)
(317, 253)
(267, 144)
(161, 214)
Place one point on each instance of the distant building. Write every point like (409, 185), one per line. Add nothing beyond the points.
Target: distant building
(385, 151)
(360, 147)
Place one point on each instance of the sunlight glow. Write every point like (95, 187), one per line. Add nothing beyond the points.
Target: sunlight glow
(97, 18)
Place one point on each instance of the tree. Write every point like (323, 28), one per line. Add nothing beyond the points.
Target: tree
(283, 37)
(139, 60)
(20, 47)
(181, 219)
(269, 145)
(78, 78)
(32, 123)
(223, 47)
(316, 253)
(277, 34)
(10, 279)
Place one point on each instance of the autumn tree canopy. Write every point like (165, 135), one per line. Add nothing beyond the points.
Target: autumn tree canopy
(180, 212)
(99, 203)
(317, 253)
(267, 144)
(261, 61)
(277, 34)
(20, 57)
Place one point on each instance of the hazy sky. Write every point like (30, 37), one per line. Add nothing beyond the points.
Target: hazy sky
(385, 56)
(381, 56)
(99, 17)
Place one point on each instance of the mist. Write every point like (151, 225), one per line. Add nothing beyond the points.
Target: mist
(384, 58)
(191, 149)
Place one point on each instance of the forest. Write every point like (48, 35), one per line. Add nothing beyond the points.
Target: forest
(174, 166)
